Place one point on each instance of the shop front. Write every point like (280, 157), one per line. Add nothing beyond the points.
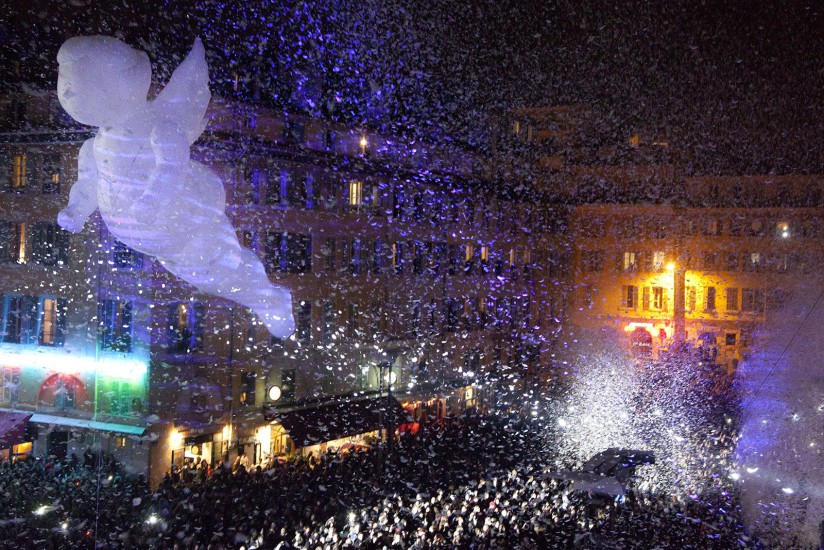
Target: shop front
(15, 436)
(341, 424)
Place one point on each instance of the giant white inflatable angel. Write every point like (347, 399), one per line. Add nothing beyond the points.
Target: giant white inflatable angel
(137, 171)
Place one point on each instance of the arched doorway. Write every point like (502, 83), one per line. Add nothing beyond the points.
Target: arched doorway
(63, 391)
(641, 343)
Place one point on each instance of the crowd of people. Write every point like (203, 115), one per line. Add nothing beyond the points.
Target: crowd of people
(476, 482)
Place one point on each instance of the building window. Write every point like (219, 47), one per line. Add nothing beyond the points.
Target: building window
(753, 262)
(115, 322)
(328, 321)
(303, 331)
(50, 244)
(249, 181)
(658, 298)
(732, 261)
(355, 194)
(293, 131)
(247, 388)
(296, 192)
(12, 242)
(21, 173)
(51, 174)
(450, 314)
(11, 385)
(712, 227)
(709, 304)
(19, 324)
(123, 256)
(288, 252)
(730, 339)
(353, 321)
(186, 327)
(732, 299)
(120, 398)
(354, 256)
(782, 230)
(287, 384)
(52, 321)
(658, 260)
(711, 261)
(629, 296)
(752, 299)
(328, 252)
(629, 262)
(330, 139)
(689, 298)
(397, 258)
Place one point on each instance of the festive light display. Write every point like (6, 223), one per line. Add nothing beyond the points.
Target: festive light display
(138, 173)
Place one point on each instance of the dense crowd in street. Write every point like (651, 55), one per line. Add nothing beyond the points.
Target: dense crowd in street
(478, 481)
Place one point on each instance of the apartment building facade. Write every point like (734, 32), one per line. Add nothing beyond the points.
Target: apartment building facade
(406, 264)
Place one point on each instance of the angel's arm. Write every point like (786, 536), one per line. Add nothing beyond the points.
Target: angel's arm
(83, 194)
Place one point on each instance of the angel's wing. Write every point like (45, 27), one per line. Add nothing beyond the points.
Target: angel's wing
(186, 96)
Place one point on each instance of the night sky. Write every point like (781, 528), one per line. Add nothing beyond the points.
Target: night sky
(736, 87)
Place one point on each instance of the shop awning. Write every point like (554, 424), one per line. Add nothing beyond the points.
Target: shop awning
(340, 419)
(87, 424)
(12, 428)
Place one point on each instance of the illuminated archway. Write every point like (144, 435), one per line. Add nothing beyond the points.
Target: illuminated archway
(64, 391)
(641, 342)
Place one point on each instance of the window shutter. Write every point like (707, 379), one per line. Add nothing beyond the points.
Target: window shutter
(60, 321)
(28, 321)
(5, 172)
(645, 299)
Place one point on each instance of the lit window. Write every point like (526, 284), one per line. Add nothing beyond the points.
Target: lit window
(186, 327)
(51, 174)
(355, 193)
(658, 259)
(120, 441)
(782, 229)
(755, 260)
(19, 180)
(657, 297)
(52, 322)
(21, 244)
(629, 263)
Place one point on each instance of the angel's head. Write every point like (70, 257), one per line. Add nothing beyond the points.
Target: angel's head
(101, 79)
